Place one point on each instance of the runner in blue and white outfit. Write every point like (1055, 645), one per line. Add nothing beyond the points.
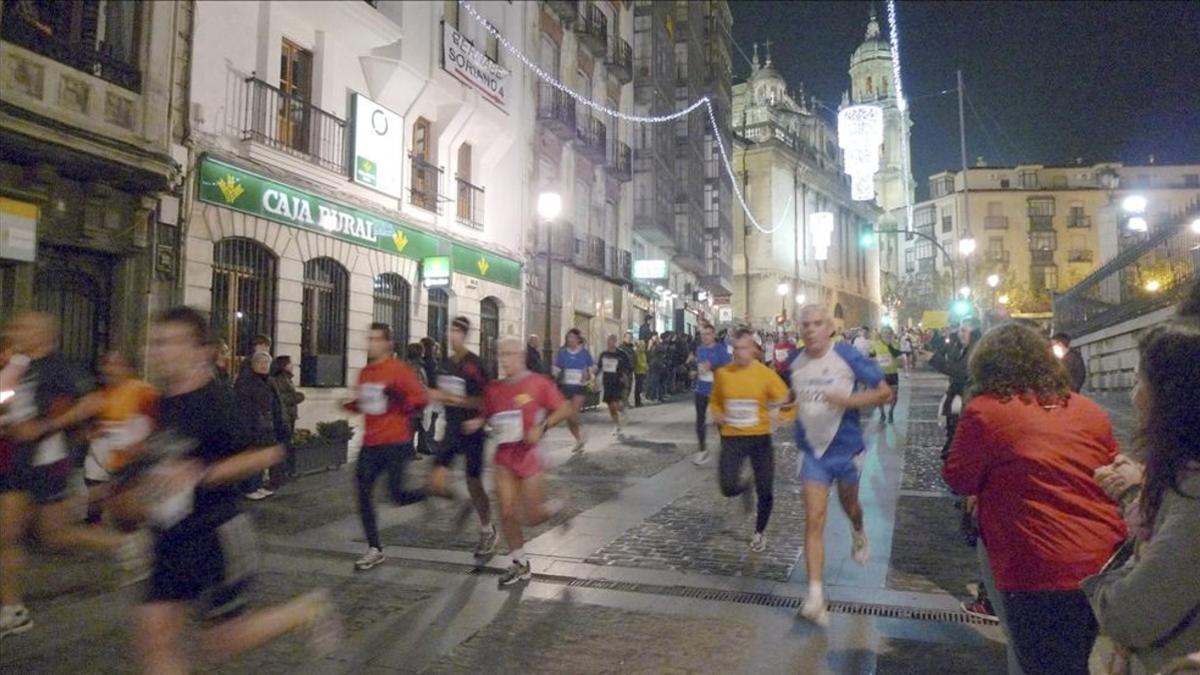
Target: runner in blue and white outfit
(573, 368)
(829, 435)
(710, 355)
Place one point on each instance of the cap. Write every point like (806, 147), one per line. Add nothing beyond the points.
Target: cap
(462, 323)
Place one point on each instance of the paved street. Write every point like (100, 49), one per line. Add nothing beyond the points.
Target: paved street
(654, 575)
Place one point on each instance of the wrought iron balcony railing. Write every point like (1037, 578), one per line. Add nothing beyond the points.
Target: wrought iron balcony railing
(424, 190)
(470, 204)
(292, 124)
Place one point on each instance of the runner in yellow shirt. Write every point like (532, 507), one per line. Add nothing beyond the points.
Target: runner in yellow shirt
(741, 394)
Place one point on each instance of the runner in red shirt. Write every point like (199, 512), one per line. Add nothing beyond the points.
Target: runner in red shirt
(387, 395)
(520, 408)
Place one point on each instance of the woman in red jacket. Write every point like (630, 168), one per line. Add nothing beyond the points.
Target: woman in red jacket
(1027, 447)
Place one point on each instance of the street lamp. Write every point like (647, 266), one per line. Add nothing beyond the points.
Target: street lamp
(801, 299)
(1003, 299)
(1196, 226)
(782, 288)
(965, 291)
(966, 246)
(549, 206)
(993, 280)
(1134, 204)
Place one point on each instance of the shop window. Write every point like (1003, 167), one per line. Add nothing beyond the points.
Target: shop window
(323, 323)
(489, 333)
(393, 306)
(438, 318)
(243, 295)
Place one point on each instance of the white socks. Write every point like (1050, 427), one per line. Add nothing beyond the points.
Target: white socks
(519, 556)
(815, 589)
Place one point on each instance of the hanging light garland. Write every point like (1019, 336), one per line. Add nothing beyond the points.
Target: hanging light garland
(902, 106)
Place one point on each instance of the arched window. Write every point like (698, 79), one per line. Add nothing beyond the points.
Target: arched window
(393, 298)
(489, 333)
(243, 295)
(323, 324)
(838, 312)
(439, 317)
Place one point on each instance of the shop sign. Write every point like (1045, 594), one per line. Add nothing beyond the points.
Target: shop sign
(725, 314)
(649, 269)
(435, 271)
(378, 146)
(472, 67)
(18, 230)
(233, 188)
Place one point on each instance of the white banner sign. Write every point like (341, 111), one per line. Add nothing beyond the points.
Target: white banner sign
(378, 147)
(18, 230)
(469, 64)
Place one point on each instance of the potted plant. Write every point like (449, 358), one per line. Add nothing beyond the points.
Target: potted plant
(324, 450)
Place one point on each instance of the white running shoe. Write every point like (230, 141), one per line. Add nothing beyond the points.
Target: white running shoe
(578, 449)
(759, 543)
(259, 495)
(14, 619)
(487, 542)
(518, 571)
(701, 458)
(861, 548)
(373, 558)
(815, 610)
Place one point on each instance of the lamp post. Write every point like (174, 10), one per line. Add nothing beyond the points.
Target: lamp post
(782, 289)
(993, 280)
(966, 246)
(549, 206)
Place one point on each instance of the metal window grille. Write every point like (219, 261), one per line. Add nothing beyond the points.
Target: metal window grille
(323, 324)
(393, 306)
(243, 295)
(75, 288)
(489, 333)
(439, 317)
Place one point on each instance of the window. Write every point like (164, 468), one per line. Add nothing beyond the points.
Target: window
(470, 196)
(323, 323)
(583, 203)
(995, 250)
(243, 295)
(1044, 278)
(1005, 183)
(421, 141)
(924, 249)
(450, 13)
(489, 333)
(942, 186)
(1029, 179)
(947, 221)
(549, 55)
(295, 89)
(393, 298)
(100, 38)
(438, 318)
(1077, 217)
(425, 174)
(910, 264)
(492, 46)
(1043, 241)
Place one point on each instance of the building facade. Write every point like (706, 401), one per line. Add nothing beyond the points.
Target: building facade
(93, 102)
(356, 162)
(1040, 229)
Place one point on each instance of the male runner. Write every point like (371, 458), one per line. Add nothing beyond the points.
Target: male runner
(710, 356)
(885, 353)
(573, 367)
(829, 435)
(387, 395)
(520, 408)
(741, 394)
(204, 546)
(37, 485)
(460, 387)
(617, 368)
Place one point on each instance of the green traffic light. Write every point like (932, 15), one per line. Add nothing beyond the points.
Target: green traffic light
(866, 239)
(961, 307)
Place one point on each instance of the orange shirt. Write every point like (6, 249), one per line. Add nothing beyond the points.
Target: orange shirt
(126, 415)
(389, 392)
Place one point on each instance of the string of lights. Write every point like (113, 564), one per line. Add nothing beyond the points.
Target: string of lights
(635, 119)
(902, 106)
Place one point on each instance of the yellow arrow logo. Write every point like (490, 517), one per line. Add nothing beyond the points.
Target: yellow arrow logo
(483, 265)
(230, 189)
(399, 240)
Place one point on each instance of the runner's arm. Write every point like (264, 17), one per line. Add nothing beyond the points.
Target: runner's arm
(86, 408)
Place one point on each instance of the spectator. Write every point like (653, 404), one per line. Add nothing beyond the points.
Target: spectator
(1190, 307)
(630, 351)
(260, 345)
(414, 355)
(952, 361)
(260, 403)
(1026, 449)
(646, 332)
(641, 366)
(221, 356)
(1071, 358)
(533, 357)
(429, 366)
(1150, 607)
(282, 378)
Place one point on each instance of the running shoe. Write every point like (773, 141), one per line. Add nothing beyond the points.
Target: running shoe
(15, 619)
(701, 458)
(616, 431)
(980, 609)
(322, 622)
(815, 610)
(759, 543)
(373, 558)
(518, 571)
(487, 541)
(578, 449)
(259, 495)
(860, 549)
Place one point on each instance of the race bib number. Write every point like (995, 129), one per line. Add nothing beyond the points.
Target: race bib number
(884, 358)
(781, 355)
(706, 375)
(372, 399)
(455, 386)
(508, 426)
(573, 376)
(741, 412)
(609, 365)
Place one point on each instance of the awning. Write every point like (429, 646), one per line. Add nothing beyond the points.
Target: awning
(931, 319)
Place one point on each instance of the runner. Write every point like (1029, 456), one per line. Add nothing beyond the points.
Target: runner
(36, 489)
(204, 546)
(885, 353)
(782, 353)
(460, 387)
(740, 395)
(906, 349)
(617, 368)
(573, 367)
(520, 408)
(828, 433)
(710, 356)
(388, 393)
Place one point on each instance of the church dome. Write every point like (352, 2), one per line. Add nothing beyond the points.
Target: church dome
(873, 45)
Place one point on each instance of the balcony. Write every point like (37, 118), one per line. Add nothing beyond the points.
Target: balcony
(556, 111)
(1041, 223)
(1042, 257)
(1079, 221)
(996, 256)
(591, 29)
(625, 264)
(652, 220)
(612, 263)
(289, 123)
(619, 59)
(619, 164)
(591, 139)
(470, 204)
(995, 222)
(589, 254)
(424, 189)
(98, 59)
(1079, 256)
(567, 11)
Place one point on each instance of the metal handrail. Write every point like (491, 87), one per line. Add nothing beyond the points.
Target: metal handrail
(288, 122)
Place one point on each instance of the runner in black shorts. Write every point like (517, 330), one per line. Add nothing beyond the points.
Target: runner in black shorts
(204, 546)
(460, 388)
(617, 368)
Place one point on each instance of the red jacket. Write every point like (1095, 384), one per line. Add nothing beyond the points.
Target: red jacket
(1044, 519)
(389, 391)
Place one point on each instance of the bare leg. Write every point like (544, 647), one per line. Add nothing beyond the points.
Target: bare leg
(848, 496)
(533, 496)
(158, 626)
(57, 529)
(573, 420)
(16, 511)
(507, 493)
(230, 638)
(816, 503)
(438, 478)
(614, 410)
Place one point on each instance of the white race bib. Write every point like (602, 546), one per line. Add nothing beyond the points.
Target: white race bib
(455, 386)
(167, 510)
(372, 398)
(781, 355)
(884, 358)
(508, 426)
(706, 376)
(609, 364)
(741, 412)
(573, 376)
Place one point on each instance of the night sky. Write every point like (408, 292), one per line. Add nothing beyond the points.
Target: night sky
(1049, 81)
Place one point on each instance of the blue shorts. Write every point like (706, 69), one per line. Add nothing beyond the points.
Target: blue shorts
(573, 390)
(845, 469)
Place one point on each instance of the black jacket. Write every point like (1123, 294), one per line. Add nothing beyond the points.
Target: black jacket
(1076, 368)
(258, 400)
(533, 359)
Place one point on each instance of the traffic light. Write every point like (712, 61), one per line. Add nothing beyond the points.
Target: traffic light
(961, 308)
(866, 237)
